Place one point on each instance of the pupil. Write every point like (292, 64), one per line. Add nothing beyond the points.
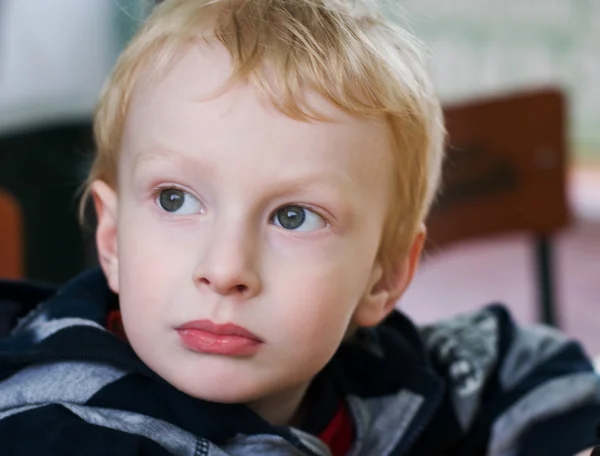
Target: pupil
(171, 199)
(291, 217)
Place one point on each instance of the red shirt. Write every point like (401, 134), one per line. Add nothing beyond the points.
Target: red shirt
(339, 433)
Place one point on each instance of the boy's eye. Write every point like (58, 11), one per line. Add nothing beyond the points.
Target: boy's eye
(179, 202)
(297, 218)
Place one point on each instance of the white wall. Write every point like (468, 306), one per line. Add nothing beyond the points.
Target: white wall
(54, 55)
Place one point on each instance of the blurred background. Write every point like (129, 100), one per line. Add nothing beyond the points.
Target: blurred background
(518, 221)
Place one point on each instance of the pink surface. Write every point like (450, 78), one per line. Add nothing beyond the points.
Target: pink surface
(470, 275)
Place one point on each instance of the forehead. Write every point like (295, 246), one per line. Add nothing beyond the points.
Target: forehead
(179, 111)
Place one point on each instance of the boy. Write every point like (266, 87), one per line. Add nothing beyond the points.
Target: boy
(264, 169)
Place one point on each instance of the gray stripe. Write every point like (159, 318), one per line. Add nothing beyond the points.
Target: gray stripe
(551, 399)
(263, 445)
(69, 381)
(531, 347)
(314, 444)
(48, 328)
(382, 422)
(170, 437)
(37, 316)
(14, 411)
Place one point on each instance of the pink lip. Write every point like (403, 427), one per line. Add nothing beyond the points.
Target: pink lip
(228, 339)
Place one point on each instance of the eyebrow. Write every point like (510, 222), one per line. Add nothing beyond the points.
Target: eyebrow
(304, 181)
(157, 155)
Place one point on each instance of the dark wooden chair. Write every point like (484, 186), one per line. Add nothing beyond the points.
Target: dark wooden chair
(506, 172)
(43, 168)
(11, 250)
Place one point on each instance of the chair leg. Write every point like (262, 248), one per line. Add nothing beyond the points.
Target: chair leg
(545, 276)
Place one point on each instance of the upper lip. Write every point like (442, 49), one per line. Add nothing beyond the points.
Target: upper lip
(223, 329)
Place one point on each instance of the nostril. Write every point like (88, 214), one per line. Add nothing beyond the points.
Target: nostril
(222, 286)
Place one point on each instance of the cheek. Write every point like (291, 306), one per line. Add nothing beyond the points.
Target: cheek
(315, 302)
(151, 265)
(149, 245)
(319, 285)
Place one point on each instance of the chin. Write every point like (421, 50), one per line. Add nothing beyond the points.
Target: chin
(213, 382)
(225, 392)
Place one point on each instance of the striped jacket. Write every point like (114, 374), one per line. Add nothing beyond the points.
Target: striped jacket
(473, 385)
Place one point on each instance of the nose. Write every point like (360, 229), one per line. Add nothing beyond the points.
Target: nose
(228, 265)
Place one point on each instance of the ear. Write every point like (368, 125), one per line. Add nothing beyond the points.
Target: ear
(387, 285)
(106, 204)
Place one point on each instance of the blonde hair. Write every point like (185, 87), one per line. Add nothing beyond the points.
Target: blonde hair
(345, 50)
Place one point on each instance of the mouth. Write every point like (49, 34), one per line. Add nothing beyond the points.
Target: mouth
(205, 336)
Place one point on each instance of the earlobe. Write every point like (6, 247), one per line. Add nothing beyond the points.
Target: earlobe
(387, 285)
(105, 203)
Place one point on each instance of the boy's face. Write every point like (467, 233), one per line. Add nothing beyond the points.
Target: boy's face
(229, 212)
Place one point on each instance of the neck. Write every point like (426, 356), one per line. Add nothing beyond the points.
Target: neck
(283, 408)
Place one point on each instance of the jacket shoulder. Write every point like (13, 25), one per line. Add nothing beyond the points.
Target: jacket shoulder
(506, 381)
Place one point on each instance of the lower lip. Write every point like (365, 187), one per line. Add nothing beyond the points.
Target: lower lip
(218, 344)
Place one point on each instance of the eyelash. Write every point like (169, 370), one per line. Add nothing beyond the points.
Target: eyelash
(155, 191)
